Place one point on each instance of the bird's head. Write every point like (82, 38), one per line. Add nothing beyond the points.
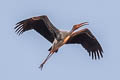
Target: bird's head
(75, 27)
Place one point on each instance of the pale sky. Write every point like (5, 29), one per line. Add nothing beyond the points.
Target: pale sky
(20, 56)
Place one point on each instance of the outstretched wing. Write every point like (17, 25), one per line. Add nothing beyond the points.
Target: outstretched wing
(41, 24)
(88, 41)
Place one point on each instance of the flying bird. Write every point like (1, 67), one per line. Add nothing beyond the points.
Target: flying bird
(58, 38)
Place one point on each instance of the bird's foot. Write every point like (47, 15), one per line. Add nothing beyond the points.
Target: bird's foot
(41, 66)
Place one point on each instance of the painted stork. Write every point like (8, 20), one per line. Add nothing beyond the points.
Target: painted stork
(58, 38)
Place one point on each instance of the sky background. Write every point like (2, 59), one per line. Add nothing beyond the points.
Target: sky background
(20, 56)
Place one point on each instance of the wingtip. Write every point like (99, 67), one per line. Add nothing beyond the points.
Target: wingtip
(96, 55)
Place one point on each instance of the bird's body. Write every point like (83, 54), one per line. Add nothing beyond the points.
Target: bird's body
(58, 38)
